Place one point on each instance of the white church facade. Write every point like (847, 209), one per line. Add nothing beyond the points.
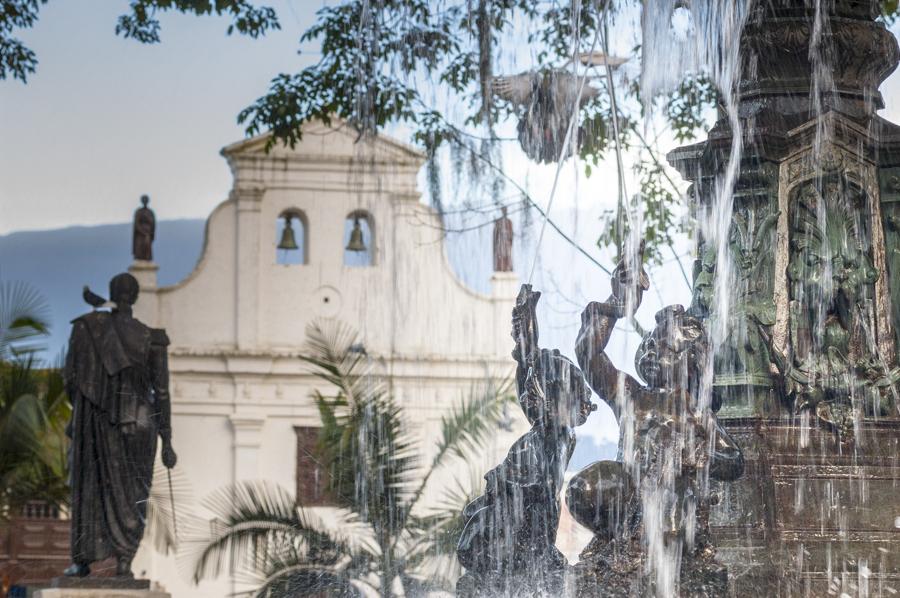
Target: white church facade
(242, 398)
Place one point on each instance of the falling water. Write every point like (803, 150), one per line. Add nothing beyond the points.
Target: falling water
(705, 41)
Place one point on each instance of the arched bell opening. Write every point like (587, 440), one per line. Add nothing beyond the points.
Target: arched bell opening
(359, 239)
(291, 238)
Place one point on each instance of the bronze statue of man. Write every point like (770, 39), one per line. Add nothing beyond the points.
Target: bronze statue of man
(144, 231)
(118, 380)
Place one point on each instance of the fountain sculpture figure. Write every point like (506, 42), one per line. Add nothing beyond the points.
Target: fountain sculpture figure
(649, 510)
(508, 544)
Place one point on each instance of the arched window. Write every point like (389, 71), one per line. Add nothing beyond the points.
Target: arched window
(359, 239)
(290, 238)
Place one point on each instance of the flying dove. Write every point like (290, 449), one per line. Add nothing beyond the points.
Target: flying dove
(548, 99)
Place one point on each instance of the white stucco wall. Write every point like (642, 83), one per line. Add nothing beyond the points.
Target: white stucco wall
(238, 322)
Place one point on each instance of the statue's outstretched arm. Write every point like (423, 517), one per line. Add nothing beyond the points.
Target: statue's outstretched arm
(597, 323)
(525, 334)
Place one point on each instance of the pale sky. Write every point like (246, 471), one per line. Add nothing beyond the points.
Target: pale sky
(105, 120)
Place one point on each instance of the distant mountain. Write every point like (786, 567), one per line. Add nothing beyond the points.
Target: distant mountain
(59, 262)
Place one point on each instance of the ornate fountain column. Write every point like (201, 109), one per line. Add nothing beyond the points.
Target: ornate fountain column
(807, 371)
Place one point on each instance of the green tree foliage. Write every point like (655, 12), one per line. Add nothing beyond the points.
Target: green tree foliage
(18, 61)
(34, 408)
(141, 22)
(378, 535)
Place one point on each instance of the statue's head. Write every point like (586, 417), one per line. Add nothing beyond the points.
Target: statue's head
(556, 391)
(674, 353)
(124, 289)
(145, 199)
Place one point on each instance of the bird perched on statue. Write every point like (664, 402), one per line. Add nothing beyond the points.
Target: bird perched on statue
(548, 100)
(93, 299)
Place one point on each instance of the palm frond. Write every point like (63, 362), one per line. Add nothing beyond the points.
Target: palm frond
(289, 571)
(254, 520)
(468, 426)
(24, 317)
(338, 359)
(299, 579)
(365, 440)
(21, 429)
(18, 377)
(167, 511)
(389, 466)
(431, 552)
(33, 447)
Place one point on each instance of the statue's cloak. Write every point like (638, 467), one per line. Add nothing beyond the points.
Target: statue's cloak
(111, 367)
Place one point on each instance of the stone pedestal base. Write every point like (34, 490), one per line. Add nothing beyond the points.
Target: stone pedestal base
(812, 515)
(93, 587)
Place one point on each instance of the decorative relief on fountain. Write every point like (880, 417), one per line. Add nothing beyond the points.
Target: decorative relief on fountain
(833, 364)
(806, 101)
(890, 213)
(742, 380)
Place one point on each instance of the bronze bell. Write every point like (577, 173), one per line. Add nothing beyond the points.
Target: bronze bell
(288, 242)
(357, 243)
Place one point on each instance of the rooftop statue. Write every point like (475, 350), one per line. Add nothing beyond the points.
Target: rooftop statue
(144, 231)
(118, 380)
(508, 544)
(650, 508)
(503, 242)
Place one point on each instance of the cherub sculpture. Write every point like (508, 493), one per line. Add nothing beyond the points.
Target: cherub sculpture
(648, 509)
(508, 543)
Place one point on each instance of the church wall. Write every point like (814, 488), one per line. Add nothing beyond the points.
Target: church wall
(238, 323)
(199, 311)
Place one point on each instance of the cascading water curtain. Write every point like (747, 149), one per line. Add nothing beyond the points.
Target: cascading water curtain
(701, 37)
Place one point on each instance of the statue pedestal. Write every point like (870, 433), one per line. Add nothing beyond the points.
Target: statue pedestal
(811, 515)
(98, 587)
(145, 273)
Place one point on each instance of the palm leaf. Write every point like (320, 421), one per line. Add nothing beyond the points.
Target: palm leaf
(24, 317)
(290, 572)
(434, 537)
(301, 580)
(467, 427)
(364, 439)
(254, 520)
(338, 359)
(32, 457)
(167, 514)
